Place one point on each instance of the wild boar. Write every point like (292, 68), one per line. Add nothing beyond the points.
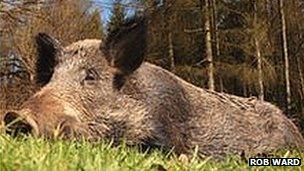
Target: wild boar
(102, 90)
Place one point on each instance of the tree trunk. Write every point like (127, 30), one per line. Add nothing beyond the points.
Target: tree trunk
(285, 53)
(245, 90)
(171, 51)
(258, 53)
(209, 47)
(215, 26)
(221, 85)
(301, 83)
(169, 21)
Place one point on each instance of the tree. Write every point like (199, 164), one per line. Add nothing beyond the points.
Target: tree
(94, 26)
(118, 16)
(208, 39)
(258, 51)
(215, 27)
(170, 21)
(285, 54)
(68, 21)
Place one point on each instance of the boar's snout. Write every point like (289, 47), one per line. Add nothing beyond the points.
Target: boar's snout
(16, 124)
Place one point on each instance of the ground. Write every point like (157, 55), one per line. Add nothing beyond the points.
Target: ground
(28, 154)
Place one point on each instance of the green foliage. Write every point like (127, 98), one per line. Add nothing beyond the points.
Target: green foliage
(36, 154)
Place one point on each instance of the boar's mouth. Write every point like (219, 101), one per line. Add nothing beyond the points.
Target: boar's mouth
(16, 124)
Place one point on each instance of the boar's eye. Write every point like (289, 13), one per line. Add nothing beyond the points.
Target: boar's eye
(90, 77)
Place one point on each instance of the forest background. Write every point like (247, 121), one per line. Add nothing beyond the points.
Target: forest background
(250, 48)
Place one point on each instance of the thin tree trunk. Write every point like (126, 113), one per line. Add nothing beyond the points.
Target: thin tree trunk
(209, 47)
(221, 85)
(171, 51)
(301, 75)
(285, 52)
(215, 26)
(170, 20)
(301, 83)
(245, 90)
(258, 53)
(268, 8)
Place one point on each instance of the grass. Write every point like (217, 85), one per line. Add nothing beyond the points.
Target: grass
(29, 154)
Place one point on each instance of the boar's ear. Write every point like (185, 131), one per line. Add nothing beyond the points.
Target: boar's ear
(47, 50)
(124, 48)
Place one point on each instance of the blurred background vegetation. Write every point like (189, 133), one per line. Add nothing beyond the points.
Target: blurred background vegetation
(242, 47)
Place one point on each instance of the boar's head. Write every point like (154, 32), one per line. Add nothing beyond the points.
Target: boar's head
(79, 80)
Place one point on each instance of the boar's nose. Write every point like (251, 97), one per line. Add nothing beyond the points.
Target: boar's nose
(15, 124)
